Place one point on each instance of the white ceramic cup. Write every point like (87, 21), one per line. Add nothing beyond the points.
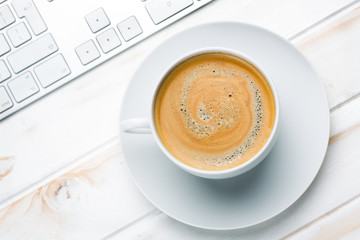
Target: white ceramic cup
(147, 126)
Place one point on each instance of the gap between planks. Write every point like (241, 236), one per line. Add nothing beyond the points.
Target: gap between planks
(335, 15)
(340, 105)
(153, 213)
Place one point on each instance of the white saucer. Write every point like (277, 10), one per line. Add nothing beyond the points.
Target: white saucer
(269, 188)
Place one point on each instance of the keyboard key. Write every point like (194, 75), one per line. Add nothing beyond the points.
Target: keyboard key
(27, 9)
(52, 70)
(4, 46)
(97, 20)
(4, 71)
(5, 101)
(18, 34)
(23, 87)
(129, 28)
(6, 17)
(108, 40)
(87, 52)
(32, 53)
(160, 10)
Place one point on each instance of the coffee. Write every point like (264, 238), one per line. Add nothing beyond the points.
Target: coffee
(214, 111)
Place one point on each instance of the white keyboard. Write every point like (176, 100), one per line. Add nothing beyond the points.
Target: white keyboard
(47, 43)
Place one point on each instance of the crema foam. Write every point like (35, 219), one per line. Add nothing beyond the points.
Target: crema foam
(214, 111)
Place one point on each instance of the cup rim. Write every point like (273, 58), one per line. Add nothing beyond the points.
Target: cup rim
(252, 160)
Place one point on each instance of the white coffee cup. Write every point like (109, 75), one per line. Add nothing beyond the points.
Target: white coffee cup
(147, 126)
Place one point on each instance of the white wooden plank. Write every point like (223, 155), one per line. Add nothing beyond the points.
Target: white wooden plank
(87, 202)
(82, 115)
(342, 223)
(334, 50)
(333, 186)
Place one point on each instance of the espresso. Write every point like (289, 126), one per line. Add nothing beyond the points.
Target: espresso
(214, 111)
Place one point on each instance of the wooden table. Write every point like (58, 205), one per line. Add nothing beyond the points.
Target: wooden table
(62, 173)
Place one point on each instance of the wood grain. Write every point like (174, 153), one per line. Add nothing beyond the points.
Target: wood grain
(344, 133)
(6, 166)
(87, 202)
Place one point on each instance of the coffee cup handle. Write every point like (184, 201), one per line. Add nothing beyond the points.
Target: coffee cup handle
(136, 125)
